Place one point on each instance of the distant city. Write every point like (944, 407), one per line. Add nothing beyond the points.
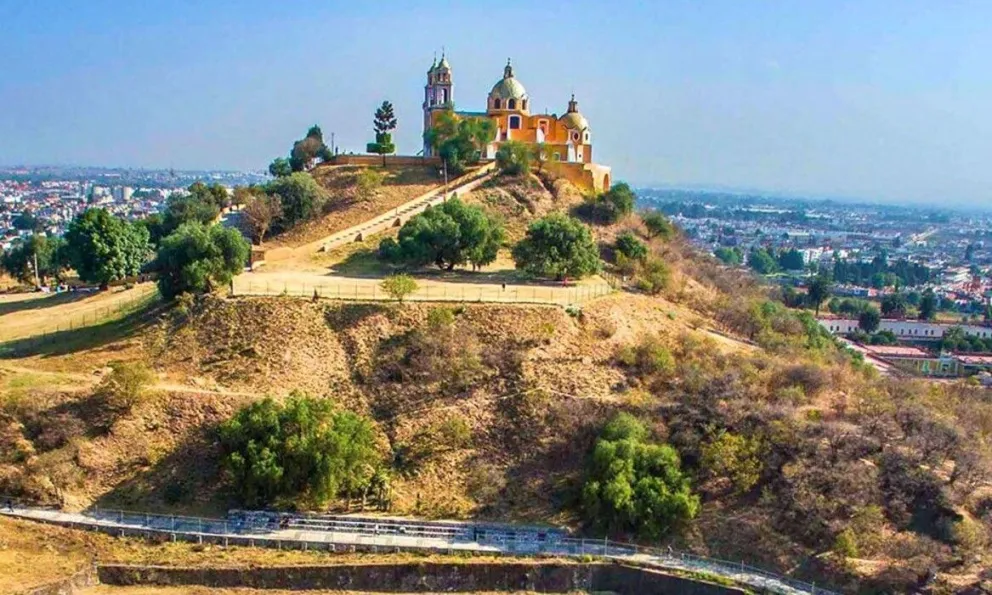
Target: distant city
(867, 250)
(44, 199)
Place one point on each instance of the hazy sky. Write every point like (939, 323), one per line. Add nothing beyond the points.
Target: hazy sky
(880, 100)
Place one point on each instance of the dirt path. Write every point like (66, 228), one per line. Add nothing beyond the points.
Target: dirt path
(305, 284)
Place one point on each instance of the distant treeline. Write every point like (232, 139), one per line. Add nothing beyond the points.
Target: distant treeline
(880, 273)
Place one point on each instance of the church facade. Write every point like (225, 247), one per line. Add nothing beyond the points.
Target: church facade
(567, 138)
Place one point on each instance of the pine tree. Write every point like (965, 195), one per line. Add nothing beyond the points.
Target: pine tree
(383, 124)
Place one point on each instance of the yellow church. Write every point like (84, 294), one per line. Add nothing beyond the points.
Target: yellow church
(566, 138)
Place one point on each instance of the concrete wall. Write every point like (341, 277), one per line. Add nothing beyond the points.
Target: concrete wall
(546, 577)
(377, 160)
(911, 330)
(588, 176)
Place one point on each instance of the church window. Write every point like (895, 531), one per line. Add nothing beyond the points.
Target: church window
(575, 136)
(523, 104)
(445, 95)
(511, 104)
(514, 122)
(496, 103)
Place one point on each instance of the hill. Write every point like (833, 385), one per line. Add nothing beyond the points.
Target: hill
(804, 459)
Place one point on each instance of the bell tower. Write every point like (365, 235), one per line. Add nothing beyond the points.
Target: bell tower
(438, 94)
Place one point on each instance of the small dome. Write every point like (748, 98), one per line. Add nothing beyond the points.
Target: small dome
(508, 87)
(444, 63)
(574, 121)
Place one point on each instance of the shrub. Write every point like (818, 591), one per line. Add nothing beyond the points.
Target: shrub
(649, 357)
(628, 245)
(399, 286)
(440, 317)
(654, 276)
(368, 184)
(611, 206)
(846, 544)
(736, 457)
(632, 484)
(514, 158)
(126, 386)
(658, 225)
(300, 451)
(557, 246)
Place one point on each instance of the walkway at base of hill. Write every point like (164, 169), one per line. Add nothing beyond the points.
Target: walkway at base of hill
(201, 529)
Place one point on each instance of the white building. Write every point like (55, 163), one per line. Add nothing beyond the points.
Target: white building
(915, 330)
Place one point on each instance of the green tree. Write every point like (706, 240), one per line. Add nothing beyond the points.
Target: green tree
(729, 256)
(654, 276)
(894, 305)
(658, 225)
(103, 248)
(280, 167)
(513, 158)
(459, 141)
(928, 305)
(300, 196)
(306, 150)
(126, 386)
(610, 206)
(557, 246)
(818, 292)
(383, 124)
(195, 259)
(26, 221)
(399, 286)
(214, 194)
(633, 484)
(49, 255)
(446, 235)
(197, 205)
(791, 260)
(762, 262)
(300, 452)
(631, 247)
(869, 319)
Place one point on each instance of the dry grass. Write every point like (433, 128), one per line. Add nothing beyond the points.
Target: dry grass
(400, 185)
(32, 314)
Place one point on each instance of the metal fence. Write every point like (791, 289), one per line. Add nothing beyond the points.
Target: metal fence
(370, 290)
(273, 530)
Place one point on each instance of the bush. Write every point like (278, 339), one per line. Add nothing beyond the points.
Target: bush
(611, 206)
(628, 245)
(658, 225)
(513, 158)
(557, 246)
(737, 457)
(649, 357)
(632, 484)
(125, 387)
(302, 451)
(369, 182)
(654, 276)
(399, 286)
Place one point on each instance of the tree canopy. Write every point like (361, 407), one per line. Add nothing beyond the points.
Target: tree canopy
(557, 246)
(514, 157)
(459, 141)
(818, 291)
(302, 451)
(196, 258)
(658, 225)
(446, 235)
(630, 246)
(635, 485)
(300, 196)
(52, 258)
(104, 248)
(895, 305)
(383, 123)
(610, 206)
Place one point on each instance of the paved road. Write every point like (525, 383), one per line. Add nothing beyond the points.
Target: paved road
(230, 531)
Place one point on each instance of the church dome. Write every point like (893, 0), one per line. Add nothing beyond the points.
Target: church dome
(572, 119)
(508, 87)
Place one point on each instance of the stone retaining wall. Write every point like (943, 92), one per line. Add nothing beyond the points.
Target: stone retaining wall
(423, 577)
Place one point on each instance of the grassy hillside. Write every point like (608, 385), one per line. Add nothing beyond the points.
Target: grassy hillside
(805, 461)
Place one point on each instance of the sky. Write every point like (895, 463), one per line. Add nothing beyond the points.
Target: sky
(881, 100)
